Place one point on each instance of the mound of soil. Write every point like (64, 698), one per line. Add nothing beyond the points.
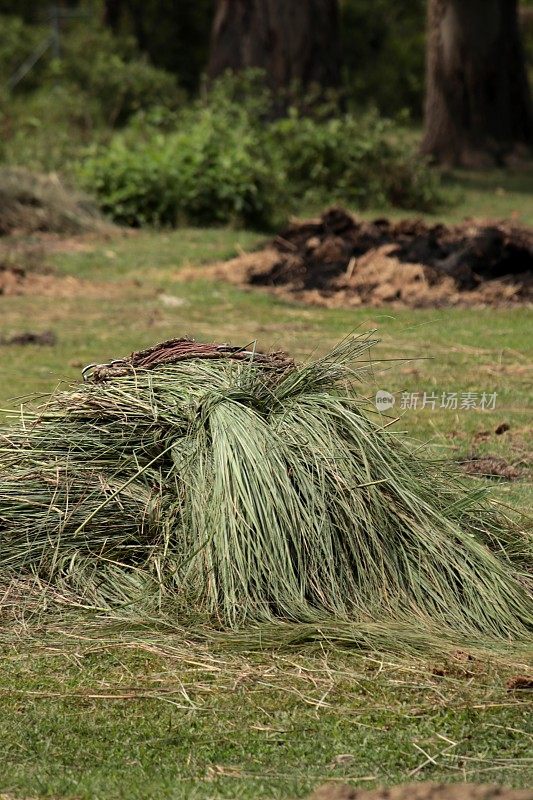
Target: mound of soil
(338, 260)
(423, 791)
(16, 281)
(44, 339)
(31, 202)
(19, 265)
(490, 467)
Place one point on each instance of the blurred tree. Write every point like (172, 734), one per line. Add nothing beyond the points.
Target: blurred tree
(383, 44)
(35, 11)
(174, 35)
(478, 103)
(296, 43)
(382, 41)
(112, 14)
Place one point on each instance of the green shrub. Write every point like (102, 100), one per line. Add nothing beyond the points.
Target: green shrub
(360, 160)
(48, 129)
(210, 171)
(64, 105)
(224, 161)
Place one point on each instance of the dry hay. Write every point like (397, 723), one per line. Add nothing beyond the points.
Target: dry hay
(339, 261)
(423, 791)
(31, 202)
(236, 492)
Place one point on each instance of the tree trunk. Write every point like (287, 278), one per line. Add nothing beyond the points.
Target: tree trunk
(478, 104)
(112, 14)
(296, 42)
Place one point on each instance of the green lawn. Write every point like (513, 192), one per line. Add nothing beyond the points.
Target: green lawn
(79, 720)
(148, 715)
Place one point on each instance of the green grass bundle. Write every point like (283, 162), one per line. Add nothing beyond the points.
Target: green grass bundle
(231, 492)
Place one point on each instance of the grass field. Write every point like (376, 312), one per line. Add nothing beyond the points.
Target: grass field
(151, 716)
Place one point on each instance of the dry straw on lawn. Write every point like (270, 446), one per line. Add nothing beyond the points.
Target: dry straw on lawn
(233, 491)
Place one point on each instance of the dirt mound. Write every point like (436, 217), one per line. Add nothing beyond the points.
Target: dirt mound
(423, 791)
(44, 339)
(22, 269)
(30, 203)
(338, 260)
(490, 467)
(19, 282)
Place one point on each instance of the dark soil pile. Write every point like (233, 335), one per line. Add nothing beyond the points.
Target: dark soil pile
(423, 791)
(338, 260)
(490, 467)
(44, 339)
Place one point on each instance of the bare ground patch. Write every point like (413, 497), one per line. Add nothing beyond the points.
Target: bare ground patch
(490, 467)
(24, 269)
(423, 791)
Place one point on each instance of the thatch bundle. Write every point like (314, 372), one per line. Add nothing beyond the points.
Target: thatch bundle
(216, 486)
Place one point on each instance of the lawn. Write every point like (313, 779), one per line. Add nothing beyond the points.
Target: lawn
(147, 714)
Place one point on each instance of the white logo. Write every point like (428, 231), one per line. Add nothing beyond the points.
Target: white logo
(384, 400)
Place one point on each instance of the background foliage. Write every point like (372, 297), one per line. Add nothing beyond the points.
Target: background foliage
(134, 123)
(223, 160)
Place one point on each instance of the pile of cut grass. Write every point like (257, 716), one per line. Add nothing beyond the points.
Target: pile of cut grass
(31, 202)
(226, 494)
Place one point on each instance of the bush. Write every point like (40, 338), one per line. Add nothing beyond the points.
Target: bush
(48, 129)
(62, 106)
(360, 160)
(211, 171)
(224, 161)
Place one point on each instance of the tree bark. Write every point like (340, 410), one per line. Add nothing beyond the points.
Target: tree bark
(478, 104)
(296, 42)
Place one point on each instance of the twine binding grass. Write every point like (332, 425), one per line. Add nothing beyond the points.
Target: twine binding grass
(218, 493)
